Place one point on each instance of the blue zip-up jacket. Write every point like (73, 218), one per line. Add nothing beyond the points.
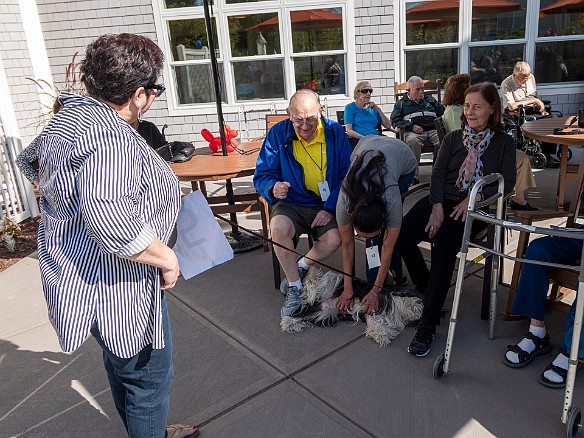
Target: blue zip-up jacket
(276, 162)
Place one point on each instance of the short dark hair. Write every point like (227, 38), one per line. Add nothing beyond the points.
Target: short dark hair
(115, 66)
(454, 89)
(490, 94)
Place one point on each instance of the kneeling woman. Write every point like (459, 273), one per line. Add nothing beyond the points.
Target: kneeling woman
(370, 204)
(480, 148)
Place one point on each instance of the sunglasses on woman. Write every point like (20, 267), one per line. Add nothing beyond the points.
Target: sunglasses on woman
(366, 90)
(158, 87)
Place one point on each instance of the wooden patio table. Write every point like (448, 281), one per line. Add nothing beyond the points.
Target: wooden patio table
(208, 166)
(543, 130)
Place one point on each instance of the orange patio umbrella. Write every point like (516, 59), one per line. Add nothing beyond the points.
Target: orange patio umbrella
(311, 19)
(447, 10)
(564, 7)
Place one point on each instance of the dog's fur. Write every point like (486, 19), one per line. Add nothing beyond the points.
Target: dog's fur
(319, 299)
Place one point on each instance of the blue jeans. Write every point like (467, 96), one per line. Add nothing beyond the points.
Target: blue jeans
(404, 182)
(531, 294)
(140, 385)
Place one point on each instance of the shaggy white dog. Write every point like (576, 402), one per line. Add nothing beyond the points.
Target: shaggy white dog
(319, 299)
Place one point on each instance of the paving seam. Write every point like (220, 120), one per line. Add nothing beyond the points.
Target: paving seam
(290, 377)
(280, 381)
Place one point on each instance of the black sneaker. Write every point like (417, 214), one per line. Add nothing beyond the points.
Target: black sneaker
(522, 207)
(420, 345)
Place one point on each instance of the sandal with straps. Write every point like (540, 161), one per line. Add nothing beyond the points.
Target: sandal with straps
(542, 346)
(563, 373)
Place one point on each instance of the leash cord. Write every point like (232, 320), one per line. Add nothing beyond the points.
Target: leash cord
(338, 271)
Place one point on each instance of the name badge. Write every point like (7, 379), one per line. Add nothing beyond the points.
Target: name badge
(373, 260)
(324, 190)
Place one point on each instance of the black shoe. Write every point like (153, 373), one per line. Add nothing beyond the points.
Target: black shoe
(420, 345)
(415, 181)
(522, 207)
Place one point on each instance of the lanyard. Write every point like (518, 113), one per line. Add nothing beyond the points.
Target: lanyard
(310, 156)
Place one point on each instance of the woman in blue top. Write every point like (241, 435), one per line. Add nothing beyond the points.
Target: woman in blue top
(363, 116)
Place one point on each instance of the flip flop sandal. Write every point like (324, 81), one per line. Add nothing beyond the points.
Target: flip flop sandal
(560, 372)
(175, 430)
(542, 346)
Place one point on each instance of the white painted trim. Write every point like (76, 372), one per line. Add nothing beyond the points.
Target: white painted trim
(12, 133)
(35, 42)
(222, 11)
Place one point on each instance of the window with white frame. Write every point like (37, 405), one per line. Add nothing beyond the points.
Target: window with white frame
(266, 49)
(485, 38)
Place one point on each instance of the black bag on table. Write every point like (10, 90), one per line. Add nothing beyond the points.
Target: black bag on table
(176, 151)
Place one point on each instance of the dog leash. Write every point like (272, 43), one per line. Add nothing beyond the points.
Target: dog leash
(338, 271)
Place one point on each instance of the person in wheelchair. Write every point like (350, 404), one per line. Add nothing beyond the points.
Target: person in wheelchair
(520, 89)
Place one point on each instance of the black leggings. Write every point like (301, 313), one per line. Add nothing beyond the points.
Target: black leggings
(447, 242)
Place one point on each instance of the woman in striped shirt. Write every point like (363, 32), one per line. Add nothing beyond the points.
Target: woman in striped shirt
(109, 205)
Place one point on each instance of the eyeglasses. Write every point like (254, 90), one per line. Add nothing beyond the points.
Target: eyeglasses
(523, 78)
(366, 90)
(158, 87)
(311, 121)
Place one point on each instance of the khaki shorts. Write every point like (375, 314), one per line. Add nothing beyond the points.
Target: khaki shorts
(302, 218)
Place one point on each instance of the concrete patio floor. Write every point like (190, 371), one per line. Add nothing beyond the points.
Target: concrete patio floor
(238, 375)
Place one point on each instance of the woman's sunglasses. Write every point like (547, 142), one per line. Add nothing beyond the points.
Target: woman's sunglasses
(158, 87)
(366, 90)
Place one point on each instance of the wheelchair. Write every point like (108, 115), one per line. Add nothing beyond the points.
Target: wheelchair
(513, 120)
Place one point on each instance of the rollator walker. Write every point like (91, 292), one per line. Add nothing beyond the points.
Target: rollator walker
(571, 415)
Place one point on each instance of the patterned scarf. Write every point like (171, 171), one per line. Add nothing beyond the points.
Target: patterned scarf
(472, 167)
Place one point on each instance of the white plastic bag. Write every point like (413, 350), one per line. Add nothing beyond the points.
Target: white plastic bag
(200, 242)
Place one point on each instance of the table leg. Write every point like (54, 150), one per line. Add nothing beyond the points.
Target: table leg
(562, 177)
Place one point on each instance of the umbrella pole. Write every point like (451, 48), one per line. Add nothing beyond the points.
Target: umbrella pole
(239, 242)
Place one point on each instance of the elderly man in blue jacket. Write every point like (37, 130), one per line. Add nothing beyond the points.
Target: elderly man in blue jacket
(299, 172)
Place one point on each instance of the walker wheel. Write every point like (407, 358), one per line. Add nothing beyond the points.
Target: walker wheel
(438, 370)
(539, 160)
(573, 425)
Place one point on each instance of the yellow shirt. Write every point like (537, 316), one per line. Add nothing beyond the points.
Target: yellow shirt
(312, 158)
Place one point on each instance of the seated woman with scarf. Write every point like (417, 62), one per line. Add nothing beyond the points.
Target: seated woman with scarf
(478, 149)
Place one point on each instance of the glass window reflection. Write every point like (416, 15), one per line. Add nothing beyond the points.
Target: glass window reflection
(171, 4)
(256, 34)
(323, 74)
(195, 83)
(432, 22)
(559, 61)
(561, 17)
(259, 80)
(432, 64)
(317, 30)
(493, 63)
(188, 39)
(498, 19)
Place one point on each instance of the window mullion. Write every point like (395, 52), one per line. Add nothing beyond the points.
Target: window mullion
(465, 32)
(286, 42)
(531, 28)
(226, 57)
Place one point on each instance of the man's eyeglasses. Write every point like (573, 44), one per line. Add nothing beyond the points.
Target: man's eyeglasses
(366, 90)
(311, 121)
(158, 87)
(522, 78)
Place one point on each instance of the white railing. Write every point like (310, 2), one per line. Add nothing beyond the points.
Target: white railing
(13, 196)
